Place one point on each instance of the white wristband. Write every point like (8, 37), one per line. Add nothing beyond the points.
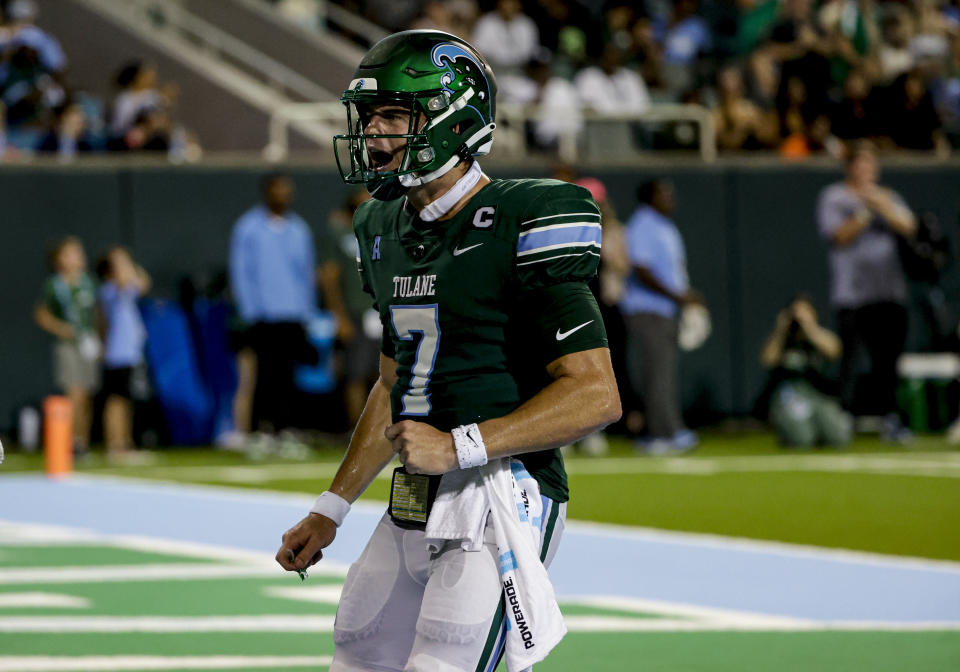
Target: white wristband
(470, 449)
(331, 505)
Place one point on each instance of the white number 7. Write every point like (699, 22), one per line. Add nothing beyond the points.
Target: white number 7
(423, 320)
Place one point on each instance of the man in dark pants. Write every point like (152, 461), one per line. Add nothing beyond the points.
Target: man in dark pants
(861, 220)
(272, 276)
(657, 288)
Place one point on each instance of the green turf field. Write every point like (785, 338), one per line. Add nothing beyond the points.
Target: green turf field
(107, 604)
(92, 613)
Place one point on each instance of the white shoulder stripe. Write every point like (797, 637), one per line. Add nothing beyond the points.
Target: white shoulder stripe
(566, 214)
(559, 256)
(558, 246)
(552, 227)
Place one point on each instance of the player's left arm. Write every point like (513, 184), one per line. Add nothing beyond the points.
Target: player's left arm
(581, 398)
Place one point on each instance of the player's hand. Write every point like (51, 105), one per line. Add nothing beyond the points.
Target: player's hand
(422, 449)
(306, 540)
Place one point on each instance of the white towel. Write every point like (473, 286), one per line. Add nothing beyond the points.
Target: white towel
(535, 624)
(505, 490)
(459, 512)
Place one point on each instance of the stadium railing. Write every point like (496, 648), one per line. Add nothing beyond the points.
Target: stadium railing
(171, 16)
(513, 121)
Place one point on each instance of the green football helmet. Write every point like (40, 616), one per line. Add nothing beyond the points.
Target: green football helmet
(448, 90)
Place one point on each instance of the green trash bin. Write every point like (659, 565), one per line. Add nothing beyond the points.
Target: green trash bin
(923, 391)
(912, 399)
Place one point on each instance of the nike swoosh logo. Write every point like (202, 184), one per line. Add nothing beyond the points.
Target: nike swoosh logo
(563, 335)
(458, 251)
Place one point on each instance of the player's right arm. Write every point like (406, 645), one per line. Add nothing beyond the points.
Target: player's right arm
(369, 452)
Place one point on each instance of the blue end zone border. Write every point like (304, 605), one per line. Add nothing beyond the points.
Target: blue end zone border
(702, 570)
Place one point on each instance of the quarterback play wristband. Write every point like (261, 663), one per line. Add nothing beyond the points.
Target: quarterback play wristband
(469, 444)
(331, 505)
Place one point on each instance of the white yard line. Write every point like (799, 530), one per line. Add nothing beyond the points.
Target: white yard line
(242, 473)
(253, 473)
(297, 623)
(684, 611)
(324, 594)
(24, 534)
(121, 573)
(42, 601)
(236, 560)
(167, 624)
(928, 464)
(614, 624)
(917, 464)
(120, 663)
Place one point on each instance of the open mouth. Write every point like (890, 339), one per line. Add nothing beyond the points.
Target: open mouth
(379, 159)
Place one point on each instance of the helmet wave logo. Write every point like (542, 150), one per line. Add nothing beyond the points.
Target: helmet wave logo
(445, 55)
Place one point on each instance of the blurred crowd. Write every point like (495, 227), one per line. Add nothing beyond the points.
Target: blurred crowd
(800, 77)
(288, 341)
(796, 76)
(42, 111)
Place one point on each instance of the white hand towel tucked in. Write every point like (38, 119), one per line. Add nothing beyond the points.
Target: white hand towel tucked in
(504, 490)
(459, 512)
(535, 624)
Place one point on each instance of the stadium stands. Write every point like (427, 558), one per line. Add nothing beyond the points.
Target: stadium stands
(793, 76)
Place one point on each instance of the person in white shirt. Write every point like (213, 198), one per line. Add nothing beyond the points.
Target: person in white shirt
(507, 37)
(611, 87)
(559, 109)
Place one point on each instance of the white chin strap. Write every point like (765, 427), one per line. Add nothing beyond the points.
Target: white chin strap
(436, 209)
(410, 180)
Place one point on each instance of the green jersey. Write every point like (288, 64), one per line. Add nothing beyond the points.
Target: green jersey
(74, 303)
(475, 307)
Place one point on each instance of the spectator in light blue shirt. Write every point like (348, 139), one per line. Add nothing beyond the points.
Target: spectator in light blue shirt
(688, 36)
(272, 277)
(686, 39)
(657, 288)
(124, 282)
(24, 32)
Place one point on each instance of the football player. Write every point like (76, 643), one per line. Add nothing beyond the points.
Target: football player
(493, 348)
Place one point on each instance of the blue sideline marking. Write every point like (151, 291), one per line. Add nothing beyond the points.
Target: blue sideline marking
(593, 560)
